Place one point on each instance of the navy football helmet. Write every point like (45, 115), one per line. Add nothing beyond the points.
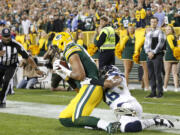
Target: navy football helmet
(108, 70)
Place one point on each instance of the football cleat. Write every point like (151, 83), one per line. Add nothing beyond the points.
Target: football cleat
(113, 127)
(163, 122)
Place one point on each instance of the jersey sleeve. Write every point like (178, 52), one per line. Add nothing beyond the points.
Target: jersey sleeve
(71, 50)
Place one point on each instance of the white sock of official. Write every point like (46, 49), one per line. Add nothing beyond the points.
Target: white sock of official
(147, 123)
(103, 124)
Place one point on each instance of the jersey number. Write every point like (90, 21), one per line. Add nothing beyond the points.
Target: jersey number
(111, 96)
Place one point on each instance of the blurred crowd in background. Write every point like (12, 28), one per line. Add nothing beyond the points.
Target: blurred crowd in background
(42, 17)
(34, 23)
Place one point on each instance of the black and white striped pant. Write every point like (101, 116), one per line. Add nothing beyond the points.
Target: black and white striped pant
(6, 74)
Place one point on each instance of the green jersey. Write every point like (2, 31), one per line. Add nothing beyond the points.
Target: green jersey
(88, 63)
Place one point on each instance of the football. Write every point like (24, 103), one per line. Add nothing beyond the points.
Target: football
(64, 64)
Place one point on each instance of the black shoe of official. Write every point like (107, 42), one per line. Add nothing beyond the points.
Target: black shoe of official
(151, 96)
(159, 95)
(2, 105)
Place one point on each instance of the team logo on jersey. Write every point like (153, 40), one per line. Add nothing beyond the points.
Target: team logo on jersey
(58, 37)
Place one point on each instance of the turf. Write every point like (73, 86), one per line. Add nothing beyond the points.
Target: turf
(27, 125)
(169, 104)
(11, 124)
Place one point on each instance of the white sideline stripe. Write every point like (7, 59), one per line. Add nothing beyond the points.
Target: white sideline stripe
(62, 96)
(160, 103)
(70, 97)
(52, 111)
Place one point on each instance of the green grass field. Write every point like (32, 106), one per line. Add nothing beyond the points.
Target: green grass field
(11, 124)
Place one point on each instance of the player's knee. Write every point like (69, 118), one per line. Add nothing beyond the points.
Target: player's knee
(77, 122)
(66, 122)
(133, 126)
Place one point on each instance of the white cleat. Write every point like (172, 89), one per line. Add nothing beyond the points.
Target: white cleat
(163, 122)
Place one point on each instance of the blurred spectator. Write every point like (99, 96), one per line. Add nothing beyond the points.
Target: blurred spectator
(74, 22)
(50, 23)
(147, 4)
(89, 22)
(140, 16)
(79, 38)
(43, 40)
(154, 47)
(160, 14)
(43, 23)
(25, 24)
(29, 74)
(128, 43)
(58, 24)
(177, 14)
(169, 15)
(69, 22)
(126, 19)
(170, 61)
(148, 16)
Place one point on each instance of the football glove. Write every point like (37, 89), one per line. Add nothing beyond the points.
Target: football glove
(61, 70)
(56, 64)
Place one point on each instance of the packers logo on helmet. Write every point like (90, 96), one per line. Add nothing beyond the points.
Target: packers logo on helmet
(62, 39)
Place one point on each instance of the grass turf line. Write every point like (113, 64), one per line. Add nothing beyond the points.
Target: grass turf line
(12, 124)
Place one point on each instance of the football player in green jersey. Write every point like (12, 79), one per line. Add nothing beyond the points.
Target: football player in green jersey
(76, 114)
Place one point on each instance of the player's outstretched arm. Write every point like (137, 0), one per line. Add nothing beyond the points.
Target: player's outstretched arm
(106, 83)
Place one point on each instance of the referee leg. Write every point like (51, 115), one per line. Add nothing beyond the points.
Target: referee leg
(7, 77)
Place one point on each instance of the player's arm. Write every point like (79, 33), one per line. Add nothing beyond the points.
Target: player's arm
(78, 72)
(105, 83)
(115, 81)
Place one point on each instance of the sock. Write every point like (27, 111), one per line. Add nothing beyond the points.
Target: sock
(89, 121)
(82, 121)
(134, 126)
(67, 122)
(102, 124)
(147, 123)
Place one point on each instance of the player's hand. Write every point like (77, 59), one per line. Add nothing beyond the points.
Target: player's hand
(56, 65)
(62, 74)
(2, 53)
(61, 70)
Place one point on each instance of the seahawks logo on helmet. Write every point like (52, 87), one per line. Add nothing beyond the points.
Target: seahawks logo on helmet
(110, 70)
